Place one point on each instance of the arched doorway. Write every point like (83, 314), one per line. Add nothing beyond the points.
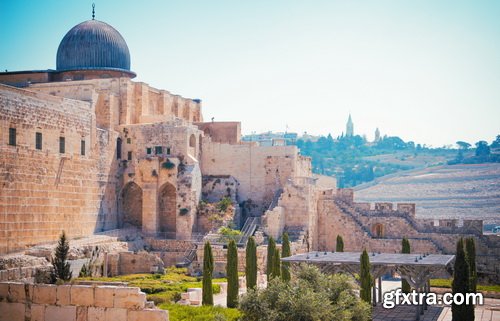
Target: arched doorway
(132, 204)
(192, 141)
(168, 210)
(378, 230)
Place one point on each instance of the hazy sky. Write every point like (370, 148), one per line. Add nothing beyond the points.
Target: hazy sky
(427, 71)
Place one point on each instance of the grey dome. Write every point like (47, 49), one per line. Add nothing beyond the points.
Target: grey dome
(93, 44)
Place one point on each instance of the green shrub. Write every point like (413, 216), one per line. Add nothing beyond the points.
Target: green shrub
(177, 312)
(224, 204)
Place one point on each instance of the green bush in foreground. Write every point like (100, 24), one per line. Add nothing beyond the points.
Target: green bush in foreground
(177, 312)
(310, 295)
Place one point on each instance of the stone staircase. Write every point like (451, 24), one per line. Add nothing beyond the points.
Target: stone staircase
(248, 229)
(354, 214)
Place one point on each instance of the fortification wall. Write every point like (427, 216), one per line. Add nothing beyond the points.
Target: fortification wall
(43, 302)
(222, 132)
(122, 101)
(44, 191)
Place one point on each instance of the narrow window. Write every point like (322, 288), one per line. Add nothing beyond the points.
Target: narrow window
(12, 136)
(82, 147)
(158, 150)
(129, 140)
(168, 150)
(119, 148)
(38, 141)
(129, 155)
(62, 145)
(148, 150)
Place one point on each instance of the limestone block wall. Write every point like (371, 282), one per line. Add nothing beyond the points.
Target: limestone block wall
(43, 302)
(122, 101)
(254, 167)
(222, 132)
(174, 140)
(42, 190)
(215, 188)
(273, 222)
(134, 262)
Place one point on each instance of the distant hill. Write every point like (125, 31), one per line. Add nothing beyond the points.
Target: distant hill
(457, 191)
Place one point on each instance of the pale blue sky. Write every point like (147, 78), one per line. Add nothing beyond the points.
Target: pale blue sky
(428, 71)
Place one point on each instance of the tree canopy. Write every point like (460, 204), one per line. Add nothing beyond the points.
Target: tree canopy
(309, 296)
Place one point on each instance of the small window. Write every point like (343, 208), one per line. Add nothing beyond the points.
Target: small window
(129, 155)
(82, 147)
(168, 150)
(158, 150)
(62, 145)
(38, 141)
(12, 136)
(129, 140)
(148, 150)
(119, 148)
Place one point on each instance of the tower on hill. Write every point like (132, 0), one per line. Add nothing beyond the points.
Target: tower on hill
(349, 132)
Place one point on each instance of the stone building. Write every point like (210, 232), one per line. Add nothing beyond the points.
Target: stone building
(85, 149)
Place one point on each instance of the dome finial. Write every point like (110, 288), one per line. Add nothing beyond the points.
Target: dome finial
(93, 11)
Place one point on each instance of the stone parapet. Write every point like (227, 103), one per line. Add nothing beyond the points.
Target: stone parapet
(44, 302)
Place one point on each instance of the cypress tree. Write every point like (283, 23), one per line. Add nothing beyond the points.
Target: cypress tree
(276, 264)
(460, 283)
(285, 266)
(251, 264)
(232, 275)
(271, 247)
(340, 244)
(470, 247)
(59, 261)
(405, 286)
(470, 255)
(366, 278)
(208, 269)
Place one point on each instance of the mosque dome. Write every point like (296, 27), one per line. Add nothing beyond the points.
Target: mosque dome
(93, 45)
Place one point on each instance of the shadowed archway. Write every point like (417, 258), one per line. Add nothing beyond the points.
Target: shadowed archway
(167, 198)
(132, 204)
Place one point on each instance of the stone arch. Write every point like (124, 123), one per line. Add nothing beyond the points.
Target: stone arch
(167, 209)
(378, 230)
(192, 141)
(132, 204)
(207, 132)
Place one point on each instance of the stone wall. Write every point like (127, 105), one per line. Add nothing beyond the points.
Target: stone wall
(136, 102)
(134, 262)
(259, 170)
(42, 302)
(42, 190)
(222, 132)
